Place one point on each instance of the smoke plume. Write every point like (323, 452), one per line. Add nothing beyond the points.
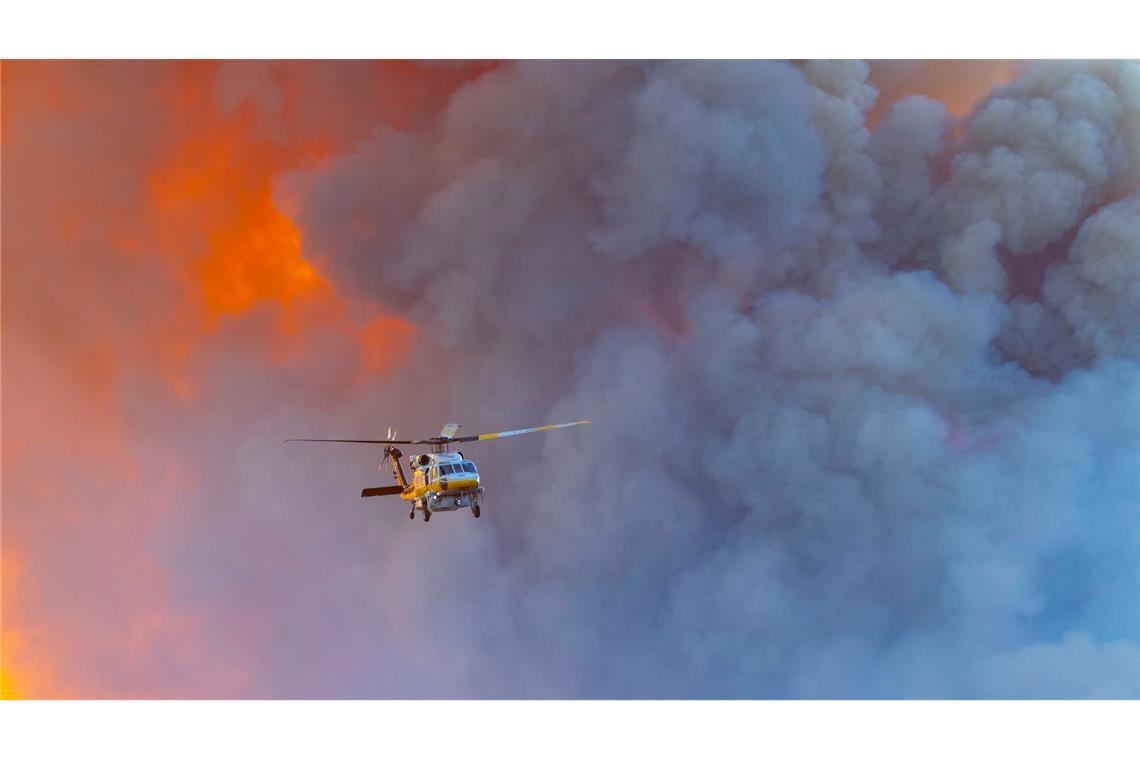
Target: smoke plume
(866, 399)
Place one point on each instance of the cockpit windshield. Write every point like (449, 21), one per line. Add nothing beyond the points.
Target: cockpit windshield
(457, 468)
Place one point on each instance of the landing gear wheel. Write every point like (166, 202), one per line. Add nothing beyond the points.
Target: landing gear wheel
(427, 514)
(475, 511)
(412, 514)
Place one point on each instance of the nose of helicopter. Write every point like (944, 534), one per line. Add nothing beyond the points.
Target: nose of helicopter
(462, 482)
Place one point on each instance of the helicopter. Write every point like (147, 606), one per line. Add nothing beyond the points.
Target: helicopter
(443, 480)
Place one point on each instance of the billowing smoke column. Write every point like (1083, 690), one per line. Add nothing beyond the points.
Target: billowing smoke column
(867, 403)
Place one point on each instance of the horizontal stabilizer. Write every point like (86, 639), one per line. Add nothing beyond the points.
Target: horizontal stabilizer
(382, 491)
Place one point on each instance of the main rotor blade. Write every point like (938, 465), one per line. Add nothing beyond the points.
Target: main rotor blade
(509, 433)
(347, 440)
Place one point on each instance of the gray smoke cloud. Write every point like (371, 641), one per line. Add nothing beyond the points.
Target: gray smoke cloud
(866, 403)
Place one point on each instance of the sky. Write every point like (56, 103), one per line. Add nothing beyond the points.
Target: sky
(859, 341)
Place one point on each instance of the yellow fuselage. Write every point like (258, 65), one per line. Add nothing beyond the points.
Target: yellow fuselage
(419, 488)
(433, 483)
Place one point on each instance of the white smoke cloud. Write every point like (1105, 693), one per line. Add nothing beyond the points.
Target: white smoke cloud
(1098, 288)
(831, 456)
(1043, 149)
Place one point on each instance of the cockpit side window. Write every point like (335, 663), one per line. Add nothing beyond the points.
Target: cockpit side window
(469, 467)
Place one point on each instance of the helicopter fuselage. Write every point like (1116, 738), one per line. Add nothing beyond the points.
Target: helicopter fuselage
(443, 482)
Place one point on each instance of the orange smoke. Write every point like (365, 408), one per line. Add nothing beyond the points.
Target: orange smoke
(216, 190)
(233, 248)
(958, 84)
(139, 224)
(10, 639)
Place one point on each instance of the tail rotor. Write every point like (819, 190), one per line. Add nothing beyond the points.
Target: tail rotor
(392, 459)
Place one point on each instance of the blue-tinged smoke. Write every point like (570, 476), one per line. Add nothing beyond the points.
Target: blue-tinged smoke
(866, 403)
